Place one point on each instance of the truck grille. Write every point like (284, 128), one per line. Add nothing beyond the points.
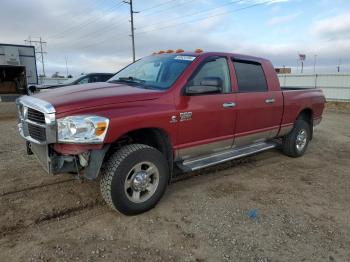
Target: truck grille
(36, 116)
(37, 123)
(37, 132)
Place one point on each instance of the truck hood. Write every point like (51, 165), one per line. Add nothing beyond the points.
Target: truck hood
(70, 98)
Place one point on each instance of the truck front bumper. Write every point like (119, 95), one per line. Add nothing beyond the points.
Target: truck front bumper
(88, 163)
(53, 164)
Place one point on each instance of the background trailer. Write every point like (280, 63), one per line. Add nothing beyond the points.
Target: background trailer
(17, 70)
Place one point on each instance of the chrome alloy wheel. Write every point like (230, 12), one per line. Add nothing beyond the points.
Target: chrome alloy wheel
(141, 182)
(301, 139)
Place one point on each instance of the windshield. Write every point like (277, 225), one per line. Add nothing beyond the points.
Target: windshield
(158, 72)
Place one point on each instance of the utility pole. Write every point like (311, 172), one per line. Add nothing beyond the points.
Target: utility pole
(67, 73)
(338, 67)
(132, 12)
(315, 58)
(38, 44)
(302, 58)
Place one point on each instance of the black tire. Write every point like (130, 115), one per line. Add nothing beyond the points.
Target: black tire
(290, 146)
(117, 169)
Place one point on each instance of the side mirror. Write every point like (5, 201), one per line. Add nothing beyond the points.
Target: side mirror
(212, 81)
(207, 85)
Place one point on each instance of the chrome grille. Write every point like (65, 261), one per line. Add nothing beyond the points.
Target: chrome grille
(36, 116)
(37, 121)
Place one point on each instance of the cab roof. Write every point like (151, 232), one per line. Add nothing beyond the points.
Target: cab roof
(234, 55)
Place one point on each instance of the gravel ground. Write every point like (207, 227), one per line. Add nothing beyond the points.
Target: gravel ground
(263, 208)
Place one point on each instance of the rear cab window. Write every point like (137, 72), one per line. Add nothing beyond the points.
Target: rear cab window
(250, 76)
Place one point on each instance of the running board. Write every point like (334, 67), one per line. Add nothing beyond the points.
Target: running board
(223, 156)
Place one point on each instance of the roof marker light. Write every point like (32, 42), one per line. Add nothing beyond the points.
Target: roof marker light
(198, 50)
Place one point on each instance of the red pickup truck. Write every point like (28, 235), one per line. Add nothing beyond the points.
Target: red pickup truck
(187, 110)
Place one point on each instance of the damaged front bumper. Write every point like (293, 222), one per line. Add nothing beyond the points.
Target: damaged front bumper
(88, 163)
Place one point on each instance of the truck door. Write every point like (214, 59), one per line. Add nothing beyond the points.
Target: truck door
(206, 118)
(259, 110)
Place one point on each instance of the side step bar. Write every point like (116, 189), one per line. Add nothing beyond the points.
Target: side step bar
(223, 156)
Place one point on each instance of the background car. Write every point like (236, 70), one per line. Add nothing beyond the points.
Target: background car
(82, 79)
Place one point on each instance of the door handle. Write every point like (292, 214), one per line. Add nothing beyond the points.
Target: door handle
(270, 101)
(229, 104)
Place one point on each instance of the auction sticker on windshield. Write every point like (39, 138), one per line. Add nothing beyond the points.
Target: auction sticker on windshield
(185, 57)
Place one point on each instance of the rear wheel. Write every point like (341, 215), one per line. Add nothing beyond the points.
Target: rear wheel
(134, 179)
(296, 142)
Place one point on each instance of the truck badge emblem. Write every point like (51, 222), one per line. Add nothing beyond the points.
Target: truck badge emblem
(185, 116)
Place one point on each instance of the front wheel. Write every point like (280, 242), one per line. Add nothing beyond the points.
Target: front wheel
(134, 179)
(296, 142)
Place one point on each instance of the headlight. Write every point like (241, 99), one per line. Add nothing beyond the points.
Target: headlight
(82, 129)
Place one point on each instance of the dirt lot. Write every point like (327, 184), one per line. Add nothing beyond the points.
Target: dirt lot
(302, 209)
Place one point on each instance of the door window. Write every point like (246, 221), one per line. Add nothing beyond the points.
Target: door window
(213, 68)
(250, 76)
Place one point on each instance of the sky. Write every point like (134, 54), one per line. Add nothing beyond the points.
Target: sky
(94, 35)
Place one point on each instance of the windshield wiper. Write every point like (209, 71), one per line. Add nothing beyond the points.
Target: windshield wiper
(129, 79)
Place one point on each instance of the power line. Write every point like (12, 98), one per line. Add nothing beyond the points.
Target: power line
(169, 8)
(98, 42)
(99, 32)
(193, 14)
(113, 26)
(155, 6)
(105, 29)
(208, 17)
(193, 20)
(87, 22)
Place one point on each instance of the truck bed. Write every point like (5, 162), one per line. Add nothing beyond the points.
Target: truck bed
(298, 98)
